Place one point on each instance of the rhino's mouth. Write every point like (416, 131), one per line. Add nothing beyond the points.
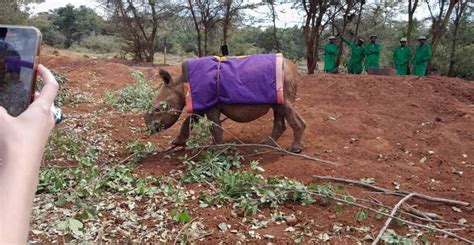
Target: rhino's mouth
(155, 127)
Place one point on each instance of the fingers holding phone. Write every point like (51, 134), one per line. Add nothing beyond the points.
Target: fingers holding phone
(50, 88)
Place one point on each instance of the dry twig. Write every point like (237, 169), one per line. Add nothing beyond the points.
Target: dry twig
(427, 215)
(387, 223)
(396, 193)
(402, 220)
(446, 232)
(182, 229)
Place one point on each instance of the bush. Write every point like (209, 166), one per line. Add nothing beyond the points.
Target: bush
(135, 97)
(100, 44)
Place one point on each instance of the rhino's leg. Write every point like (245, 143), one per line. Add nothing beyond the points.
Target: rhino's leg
(217, 132)
(184, 132)
(297, 124)
(279, 126)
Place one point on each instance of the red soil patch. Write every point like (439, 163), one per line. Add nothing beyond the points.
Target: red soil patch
(373, 126)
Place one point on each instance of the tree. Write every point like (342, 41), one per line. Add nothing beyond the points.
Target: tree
(14, 12)
(138, 22)
(412, 5)
(51, 35)
(232, 9)
(314, 12)
(359, 16)
(460, 10)
(75, 23)
(205, 14)
(440, 20)
(347, 7)
(271, 5)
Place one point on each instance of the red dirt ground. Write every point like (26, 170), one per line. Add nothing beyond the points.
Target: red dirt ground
(373, 126)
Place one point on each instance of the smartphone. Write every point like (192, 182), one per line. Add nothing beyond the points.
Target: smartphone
(19, 52)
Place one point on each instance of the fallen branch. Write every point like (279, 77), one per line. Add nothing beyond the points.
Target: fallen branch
(427, 219)
(270, 147)
(390, 192)
(402, 220)
(389, 220)
(182, 229)
(431, 228)
(427, 215)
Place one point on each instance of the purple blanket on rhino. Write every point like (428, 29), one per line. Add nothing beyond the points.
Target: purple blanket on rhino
(255, 79)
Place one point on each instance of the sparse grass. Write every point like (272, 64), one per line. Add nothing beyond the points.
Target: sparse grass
(63, 144)
(65, 95)
(136, 97)
(83, 185)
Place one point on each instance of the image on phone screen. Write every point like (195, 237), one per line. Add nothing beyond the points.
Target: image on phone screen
(18, 50)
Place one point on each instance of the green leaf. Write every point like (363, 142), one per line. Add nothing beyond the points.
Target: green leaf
(298, 238)
(361, 215)
(349, 198)
(75, 224)
(379, 215)
(255, 167)
(63, 225)
(181, 217)
(184, 217)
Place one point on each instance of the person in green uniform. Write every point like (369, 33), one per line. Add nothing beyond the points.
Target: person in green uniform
(422, 57)
(401, 57)
(357, 56)
(372, 51)
(330, 54)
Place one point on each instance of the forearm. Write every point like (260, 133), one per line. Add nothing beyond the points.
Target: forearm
(18, 181)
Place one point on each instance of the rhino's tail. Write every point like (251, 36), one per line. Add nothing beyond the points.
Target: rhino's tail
(292, 78)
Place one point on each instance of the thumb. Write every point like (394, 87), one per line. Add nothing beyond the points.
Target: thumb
(3, 112)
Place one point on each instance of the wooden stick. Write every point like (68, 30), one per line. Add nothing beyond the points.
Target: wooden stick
(402, 220)
(389, 220)
(431, 216)
(396, 193)
(393, 217)
(401, 211)
(182, 229)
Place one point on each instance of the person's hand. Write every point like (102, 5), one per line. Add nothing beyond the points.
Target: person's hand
(22, 141)
(27, 133)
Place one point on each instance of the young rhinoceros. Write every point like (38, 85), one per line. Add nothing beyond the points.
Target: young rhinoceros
(241, 88)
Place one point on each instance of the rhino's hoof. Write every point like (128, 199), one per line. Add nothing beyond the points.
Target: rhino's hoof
(296, 149)
(178, 142)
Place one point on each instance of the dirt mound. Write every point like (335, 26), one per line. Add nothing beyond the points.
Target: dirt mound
(416, 133)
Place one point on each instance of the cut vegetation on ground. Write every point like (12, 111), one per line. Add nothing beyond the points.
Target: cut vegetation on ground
(106, 179)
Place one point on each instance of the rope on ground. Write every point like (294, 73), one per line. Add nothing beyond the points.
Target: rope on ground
(270, 147)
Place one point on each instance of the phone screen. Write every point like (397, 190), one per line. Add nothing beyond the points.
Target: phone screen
(18, 51)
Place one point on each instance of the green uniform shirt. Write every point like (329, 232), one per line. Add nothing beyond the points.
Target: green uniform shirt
(420, 61)
(330, 54)
(401, 59)
(357, 57)
(372, 50)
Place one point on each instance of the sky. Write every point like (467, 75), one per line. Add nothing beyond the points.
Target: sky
(53, 4)
(287, 16)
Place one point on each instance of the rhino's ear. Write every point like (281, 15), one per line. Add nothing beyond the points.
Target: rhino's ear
(165, 75)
